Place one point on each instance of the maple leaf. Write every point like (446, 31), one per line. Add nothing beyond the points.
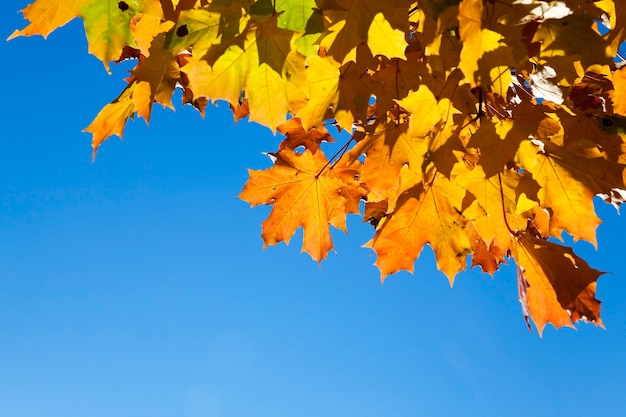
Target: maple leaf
(488, 257)
(591, 135)
(443, 51)
(424, 110)
(258, 61)
(205, 27)
(498, 197)
(498, 139)
(448, 142)
(156, 75)
(388, 151)
(107, 22)
(569, 35)
(616, 11)
(476, 40)
(381, 25)
(322, 79)
(568, 184)
(107, 25)
(478, 128)
(47, 16)
(427, 213)
(111, 120)
(297, 136)
(395, 79)
(294, 14)
(304, 191)
(344, 88)
(561, 286)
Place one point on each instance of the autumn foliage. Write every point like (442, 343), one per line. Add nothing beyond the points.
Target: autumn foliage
(478, 127)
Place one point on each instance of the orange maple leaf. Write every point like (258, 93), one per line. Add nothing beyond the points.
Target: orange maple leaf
(561, 286)
(388, 151)
(297, 136)
(305, 191)
(429, 213)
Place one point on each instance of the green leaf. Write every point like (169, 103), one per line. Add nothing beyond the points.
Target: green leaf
(294, 14)
(107, 25)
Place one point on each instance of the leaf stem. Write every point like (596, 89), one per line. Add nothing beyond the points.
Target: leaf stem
(339, 154)
(117, 99)
(506, 222)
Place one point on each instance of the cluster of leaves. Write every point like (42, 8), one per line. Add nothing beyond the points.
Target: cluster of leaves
(479, 127)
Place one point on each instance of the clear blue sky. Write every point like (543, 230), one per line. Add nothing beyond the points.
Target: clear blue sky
(136, 286)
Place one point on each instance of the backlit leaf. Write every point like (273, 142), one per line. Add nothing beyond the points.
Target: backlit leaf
(480, 128)
(561, 286)
(304, 192)
(429, 213)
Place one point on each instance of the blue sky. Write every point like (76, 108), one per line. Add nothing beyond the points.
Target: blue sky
(136, 285)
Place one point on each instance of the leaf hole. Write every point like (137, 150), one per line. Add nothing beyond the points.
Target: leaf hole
(123, 6)
(606, 122)
(182, 31)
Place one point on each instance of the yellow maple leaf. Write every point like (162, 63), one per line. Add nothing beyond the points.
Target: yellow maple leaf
(616, 11)
(207, 26)
(498, 139)
(476, 40)
(47, 15)
(260, 63)
(322, 79)
(343, 88)
(385, 40)
(112, 118)
(145, 28)
(107, 25)
(379, 24)
(569, 182)
(445, 145)
(570, 201)
(424, 110)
